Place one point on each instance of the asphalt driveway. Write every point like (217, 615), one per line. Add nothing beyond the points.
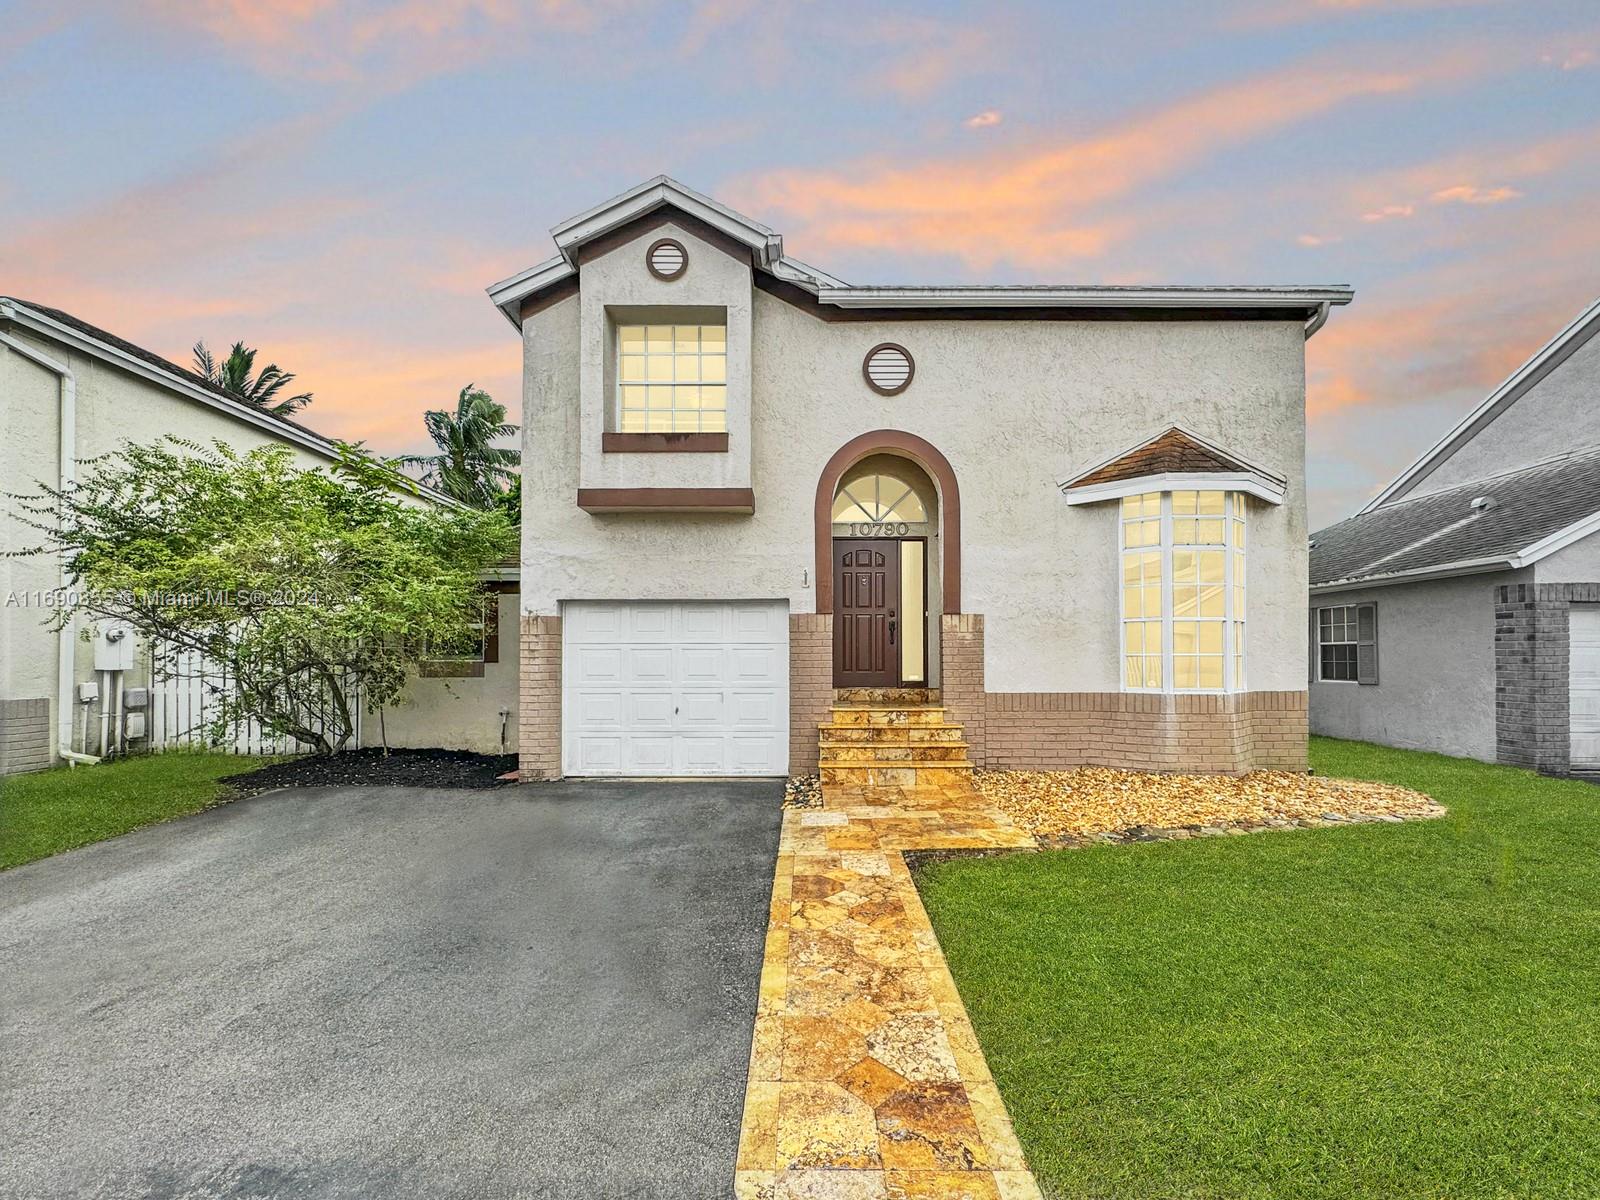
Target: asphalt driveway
(389, 992)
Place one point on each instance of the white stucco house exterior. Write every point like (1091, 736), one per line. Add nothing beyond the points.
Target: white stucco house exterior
(1459, 610)
(1053, 525)
(69, 392)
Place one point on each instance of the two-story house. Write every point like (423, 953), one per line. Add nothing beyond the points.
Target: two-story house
(1044, 525)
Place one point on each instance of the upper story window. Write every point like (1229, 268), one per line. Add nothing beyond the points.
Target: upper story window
(672, 378)
(1183, 591)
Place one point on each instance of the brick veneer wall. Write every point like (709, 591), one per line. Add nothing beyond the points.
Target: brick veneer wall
(539, 706)
(1206, 734)
(1532, 685)
(810, 686)
(1053, 730)
(24, 735)
(961, 677)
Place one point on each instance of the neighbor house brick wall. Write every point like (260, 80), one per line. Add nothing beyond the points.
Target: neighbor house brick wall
(961, 677)
(539, 711)
(810, 686)
(24, 735)
(1203, 734)
(1532, 672)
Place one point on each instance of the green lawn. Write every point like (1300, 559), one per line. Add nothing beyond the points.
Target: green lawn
(1379, 1011)
(51, 811)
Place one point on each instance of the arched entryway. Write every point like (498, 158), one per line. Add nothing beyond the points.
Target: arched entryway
(888, 558)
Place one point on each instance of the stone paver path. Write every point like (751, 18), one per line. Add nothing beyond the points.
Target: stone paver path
(866, 1080)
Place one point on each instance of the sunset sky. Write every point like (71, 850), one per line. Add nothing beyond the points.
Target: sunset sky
(337, 183)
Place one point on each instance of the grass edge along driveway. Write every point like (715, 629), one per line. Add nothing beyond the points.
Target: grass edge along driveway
(1377, 1011)
(47, 812)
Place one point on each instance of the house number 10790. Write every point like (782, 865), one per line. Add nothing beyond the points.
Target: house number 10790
(879, 529)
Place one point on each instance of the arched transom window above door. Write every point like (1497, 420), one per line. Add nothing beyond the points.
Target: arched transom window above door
(878, 498)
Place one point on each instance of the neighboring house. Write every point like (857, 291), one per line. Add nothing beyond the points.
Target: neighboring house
(1459, 611)
(773, 520)
(71, 392)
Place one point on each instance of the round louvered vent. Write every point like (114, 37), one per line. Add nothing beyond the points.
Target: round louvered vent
(666, 259)
(888, 369)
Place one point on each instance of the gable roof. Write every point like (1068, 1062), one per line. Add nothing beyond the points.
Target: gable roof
(56, 325)
(1521, 381)
(1175, 458)
(1309, 303)
(1532, 512)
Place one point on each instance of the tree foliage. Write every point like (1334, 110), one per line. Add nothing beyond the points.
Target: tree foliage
(315, 590)
(469, 467)
(235, 374)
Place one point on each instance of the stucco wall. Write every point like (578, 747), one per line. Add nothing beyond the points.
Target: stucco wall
(459, 714)
(112, 407)
(1436, 669)
(1558, 413)
(1014, 405)
(1577, 563)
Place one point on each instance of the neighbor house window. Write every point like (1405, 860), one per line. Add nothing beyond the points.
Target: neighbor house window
(1183, 585)
(1347, 643)
(672, 378)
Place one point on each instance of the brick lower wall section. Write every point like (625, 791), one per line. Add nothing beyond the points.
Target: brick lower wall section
(24, 736)
(810, 686)
(1532, 684)
(961, 678)
(1201, 734)
(539, 705)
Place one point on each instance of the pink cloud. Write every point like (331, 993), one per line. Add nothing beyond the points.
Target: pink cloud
(1041, 205)
(1467, 194)
(1389, 212)
(987, 119)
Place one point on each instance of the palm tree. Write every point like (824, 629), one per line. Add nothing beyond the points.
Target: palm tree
(232, 374)
(467, 467)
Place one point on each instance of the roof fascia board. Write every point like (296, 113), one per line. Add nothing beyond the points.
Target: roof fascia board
(1469, 566)
(45, 327)
(763, 242)
(1251, 484)
(1554, 352)
(1559, 540)
(1083, 297)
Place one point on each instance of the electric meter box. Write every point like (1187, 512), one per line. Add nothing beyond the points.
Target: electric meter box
(113, 648)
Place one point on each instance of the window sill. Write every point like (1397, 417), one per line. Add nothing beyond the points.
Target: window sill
(671, 443)
(450, 668)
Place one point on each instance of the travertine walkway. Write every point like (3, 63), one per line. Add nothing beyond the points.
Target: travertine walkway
(866, 1081)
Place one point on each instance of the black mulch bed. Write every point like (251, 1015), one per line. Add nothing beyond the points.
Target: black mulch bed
(372, 768)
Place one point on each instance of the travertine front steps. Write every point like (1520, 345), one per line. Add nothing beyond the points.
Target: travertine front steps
(896, 737)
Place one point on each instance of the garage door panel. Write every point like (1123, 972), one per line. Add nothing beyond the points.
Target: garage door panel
(649, 665)
(644, 754)
(756, 710)
(1583, 686)
(650, 711)
(598, 664)
(687, 688)
(746, 754)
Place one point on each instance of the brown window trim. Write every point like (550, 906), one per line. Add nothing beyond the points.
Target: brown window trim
(656, 443)
(471, 668)
(624, 500)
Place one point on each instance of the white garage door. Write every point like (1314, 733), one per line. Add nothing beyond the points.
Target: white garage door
(675, 687)
(1583, 657)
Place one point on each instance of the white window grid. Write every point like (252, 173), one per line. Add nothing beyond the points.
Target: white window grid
(1336, 626)
(672, 378)
(1161, 535)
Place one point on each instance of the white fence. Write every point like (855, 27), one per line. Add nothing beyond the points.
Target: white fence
(185, 693)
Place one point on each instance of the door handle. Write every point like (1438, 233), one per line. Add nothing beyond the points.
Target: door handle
(891, 627)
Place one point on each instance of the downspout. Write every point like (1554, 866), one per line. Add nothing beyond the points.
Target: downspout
(66, 458)
(1318, 319)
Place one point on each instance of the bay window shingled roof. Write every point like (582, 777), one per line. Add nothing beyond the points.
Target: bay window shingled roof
(1172, 453)
(1442, 530)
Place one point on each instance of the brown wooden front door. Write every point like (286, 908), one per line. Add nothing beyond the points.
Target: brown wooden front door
(866, 612)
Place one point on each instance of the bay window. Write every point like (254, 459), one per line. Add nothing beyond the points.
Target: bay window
(1183, 591)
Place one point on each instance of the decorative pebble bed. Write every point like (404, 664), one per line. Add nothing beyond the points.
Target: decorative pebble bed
(1098, 804)
(803, 791)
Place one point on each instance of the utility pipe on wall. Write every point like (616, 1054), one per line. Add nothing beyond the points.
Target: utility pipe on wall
(66, 476)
